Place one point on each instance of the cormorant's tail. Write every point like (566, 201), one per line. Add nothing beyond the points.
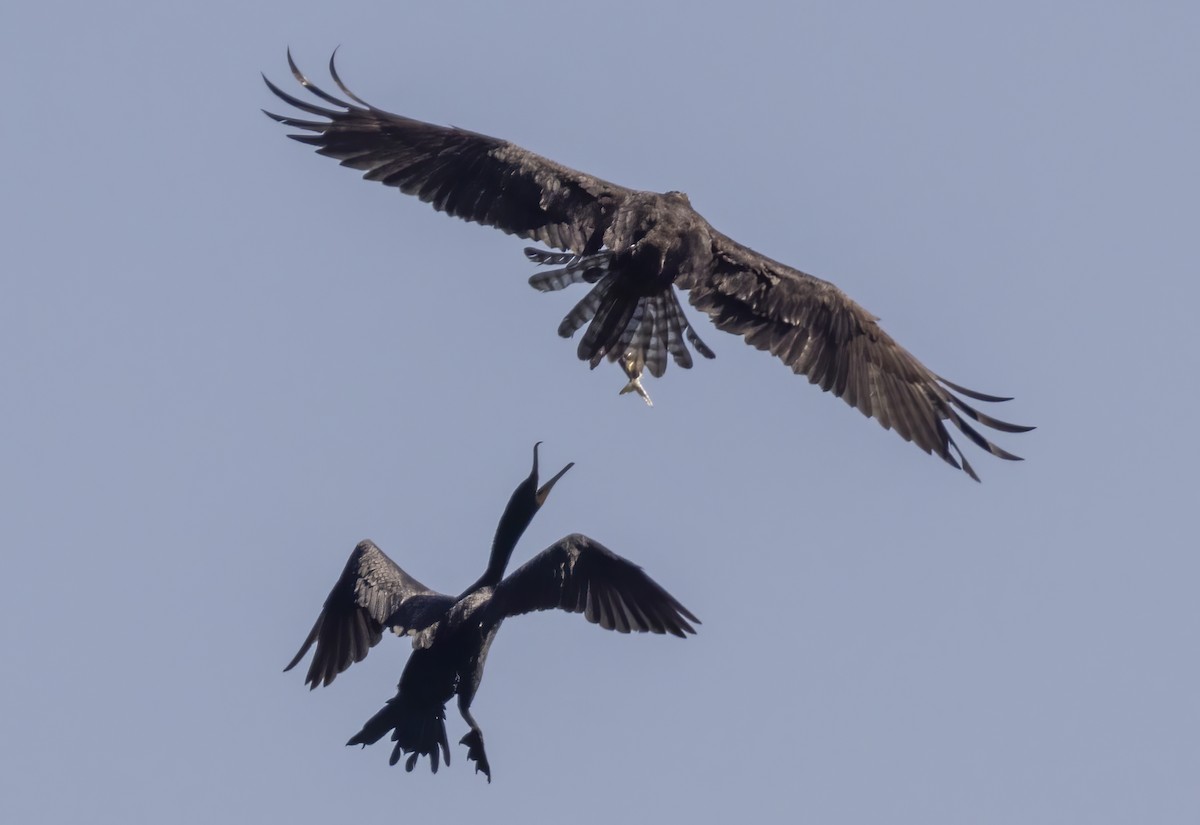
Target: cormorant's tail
(417, 729)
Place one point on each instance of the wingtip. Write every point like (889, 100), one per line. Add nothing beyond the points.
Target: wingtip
(970, 471)
(296, 73)
(270, 85)
(978, 396)
(337, 78)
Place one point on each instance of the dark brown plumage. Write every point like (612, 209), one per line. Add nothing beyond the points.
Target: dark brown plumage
(633, 247)
(451, 635)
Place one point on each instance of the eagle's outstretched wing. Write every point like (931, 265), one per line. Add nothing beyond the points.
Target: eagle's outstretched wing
(580, 575)
(631, 315)
(372, 594)
(465, 174)
(814, 328)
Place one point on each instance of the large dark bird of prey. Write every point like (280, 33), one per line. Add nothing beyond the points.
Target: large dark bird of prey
(633, 247)
(451, 634)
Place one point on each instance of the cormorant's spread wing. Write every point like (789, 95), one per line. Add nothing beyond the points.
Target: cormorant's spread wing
(373, 593)
(465, 174)
(580, 575)
(814, 328)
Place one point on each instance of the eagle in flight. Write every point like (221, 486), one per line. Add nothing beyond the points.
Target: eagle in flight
(634, 248)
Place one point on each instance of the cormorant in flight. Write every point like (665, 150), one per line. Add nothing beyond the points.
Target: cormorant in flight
(451, 634)
(633, 247)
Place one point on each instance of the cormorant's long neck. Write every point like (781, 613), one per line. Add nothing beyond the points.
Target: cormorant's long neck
(517, 516)
(526, 500)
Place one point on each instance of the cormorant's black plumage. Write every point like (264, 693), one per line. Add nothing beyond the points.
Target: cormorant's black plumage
(451, 635)
(633, 246)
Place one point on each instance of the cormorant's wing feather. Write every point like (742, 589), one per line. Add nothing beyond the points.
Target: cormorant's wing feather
(814, 328)
(465, 174)
(373, 593)
(580, 575)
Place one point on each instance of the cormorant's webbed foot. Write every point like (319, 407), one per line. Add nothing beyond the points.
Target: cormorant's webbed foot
(475, 753)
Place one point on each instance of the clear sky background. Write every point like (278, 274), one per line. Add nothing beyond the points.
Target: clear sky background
(225, 360)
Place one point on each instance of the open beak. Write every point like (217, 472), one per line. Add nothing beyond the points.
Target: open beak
(544, 490)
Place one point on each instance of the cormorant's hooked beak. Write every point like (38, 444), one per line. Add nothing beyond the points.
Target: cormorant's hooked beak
(544, 491)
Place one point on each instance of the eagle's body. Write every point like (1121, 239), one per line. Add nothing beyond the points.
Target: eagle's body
(635, 248)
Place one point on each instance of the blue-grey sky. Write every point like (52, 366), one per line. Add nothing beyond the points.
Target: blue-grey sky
(226, 360)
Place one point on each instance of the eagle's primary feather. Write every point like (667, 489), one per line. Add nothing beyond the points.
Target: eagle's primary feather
(634, 248)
